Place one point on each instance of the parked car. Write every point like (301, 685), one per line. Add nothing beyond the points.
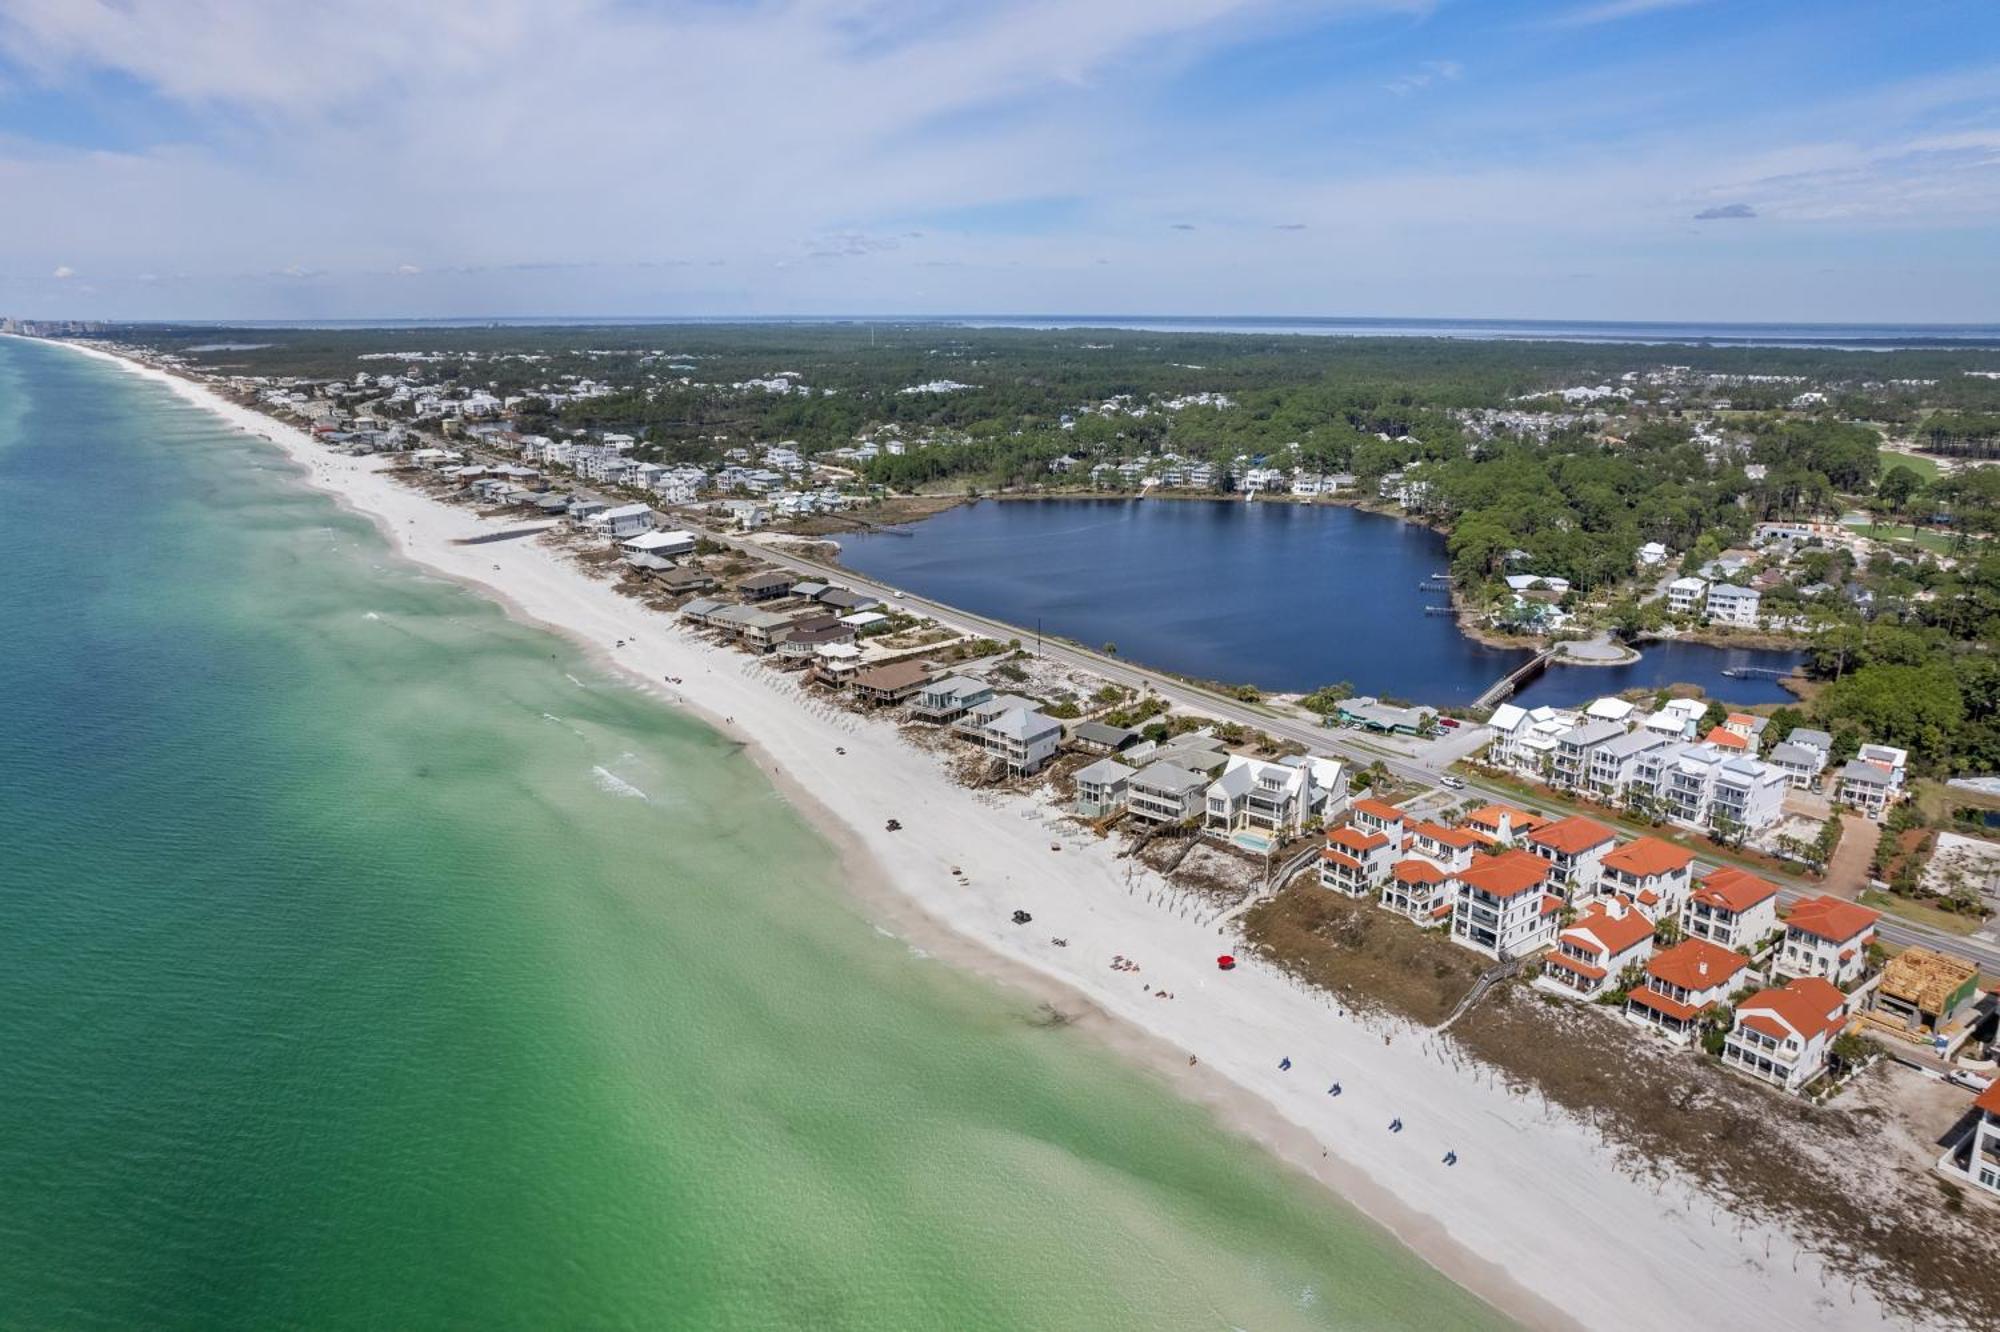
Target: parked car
(1451, 783)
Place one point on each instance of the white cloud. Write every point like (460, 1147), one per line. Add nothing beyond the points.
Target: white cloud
(63, 271)
(1613, 11)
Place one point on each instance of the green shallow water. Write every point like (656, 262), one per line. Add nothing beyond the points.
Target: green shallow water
(367, 960)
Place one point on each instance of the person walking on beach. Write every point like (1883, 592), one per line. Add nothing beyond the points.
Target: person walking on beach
(1285, 1064)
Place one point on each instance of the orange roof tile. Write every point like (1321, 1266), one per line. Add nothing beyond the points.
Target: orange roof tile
(1354, 839)
(1723, 738)
(1830, 918)
(1741, 719)
(1649, 856)
(1506, 875)
(1488, 817)
(1733, 890)
(1660, 1003)
(1568, 963)
(1989, 1100)
(1614, 934)
(1379, 809)
(1417, 871)
(1573, 835)
(1437, 832)
(1339, 859)
(1808, 1005)
(1696, 964)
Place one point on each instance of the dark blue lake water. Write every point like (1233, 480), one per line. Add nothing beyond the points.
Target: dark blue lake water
(1277, 595)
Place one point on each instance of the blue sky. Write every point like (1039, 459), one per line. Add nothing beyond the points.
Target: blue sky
(1640, 159)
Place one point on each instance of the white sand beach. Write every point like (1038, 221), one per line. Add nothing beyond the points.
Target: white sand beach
(1537, 1216)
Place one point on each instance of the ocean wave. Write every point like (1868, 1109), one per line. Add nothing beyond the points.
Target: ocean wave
(608, 780)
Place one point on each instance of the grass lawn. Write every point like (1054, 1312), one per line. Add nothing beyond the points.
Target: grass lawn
(1926, 468)
(1917, 913)
(1935, 542)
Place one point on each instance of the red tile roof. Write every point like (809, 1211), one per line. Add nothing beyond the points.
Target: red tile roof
(1568, 963)
(1417, 871)
(1508, 874)
(1808, 1006)
(1741, 719)
(1723, 738)
(1613, 934)
(1353, 839)
(1696, 964)
(1379, 809)
(1733, 890)
(1831, 918)
(1649, 856)
(1573, 835)
(1487, 818)
(1437, 832)
(1660, 1003)
(1989, 1100)
(1339, 859)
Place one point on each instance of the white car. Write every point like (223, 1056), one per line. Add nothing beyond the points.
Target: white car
(1451, 783)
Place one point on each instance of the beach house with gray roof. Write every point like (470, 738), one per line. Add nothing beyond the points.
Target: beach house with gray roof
(942, 702)
(1101, 788)
(1163, 793)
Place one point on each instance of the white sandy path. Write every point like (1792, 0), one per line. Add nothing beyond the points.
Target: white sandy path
(1536, 1217)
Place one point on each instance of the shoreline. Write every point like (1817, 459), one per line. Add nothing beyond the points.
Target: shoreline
(1543, 1192)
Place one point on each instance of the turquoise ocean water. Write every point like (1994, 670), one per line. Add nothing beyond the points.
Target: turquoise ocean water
(367, 960)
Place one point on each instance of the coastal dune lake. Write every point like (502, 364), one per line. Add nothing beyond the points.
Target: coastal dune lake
(1284, 596)
(370, 960)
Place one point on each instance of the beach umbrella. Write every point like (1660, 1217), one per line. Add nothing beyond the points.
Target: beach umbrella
(1225, 963)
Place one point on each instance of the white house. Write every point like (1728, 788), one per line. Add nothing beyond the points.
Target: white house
(1575, 849)
(1017, 734)
(627, 520)
(1419, 890)
(1164, 793)
(1975, 1156)
(1652, 555)
(1449, 849)
(1731, 907)
(1827, 937)
(1101, 787)
(1682, 983)
(1873, 779)
(1277, 798)
(1782, 1035)
(1355, 861)
(1501, 905)
(1621, 763)
(1591, 955)
(1651, 874)
(1684, 595)
(658, 546)
(1729, 604)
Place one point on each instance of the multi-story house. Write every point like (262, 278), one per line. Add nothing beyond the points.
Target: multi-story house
(1651, 874)
(1731, 907)
(1782, 1035)
(1801, 764)
(1448, 849)
(1591, 955)
(942, 702)
(1570, 761)
(1500, 825)
(1164, 793)
(1021, 737)
(1620, 763)
(1827, 937)
(1355, 862)
(1371, 815)
(1100, 788)
(1684, 595)
(1748, 796)
(1502, 906)
(1975, 1156)
(1872, 780)
(1419, 890)
(1253, 795)
(1682, 983)
(1732, 605)
(1574, 848)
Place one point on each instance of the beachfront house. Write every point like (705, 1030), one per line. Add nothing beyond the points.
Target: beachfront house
(766, 586)
(1592, 955)
(1502, 907)
(1575, 849)
(1782, 1035)
(945, 701)
(627, 520)
(1094, 737)
(1355, 861)
(1500, 825)
(889, 684)
(1420, 891)
(656, 550)
(1255, 796)
(1019, 735)
(1651, 874)
(1101, 787)
(1731, 907)
(1164, 793)
(1684, 595)
(1448, 849)
(1682, 983)
(1974, 1155)
(1733, 605)
(1827, 937)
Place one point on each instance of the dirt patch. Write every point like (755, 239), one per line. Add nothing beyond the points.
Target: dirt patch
(1844, 1177)
(1374, 961)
